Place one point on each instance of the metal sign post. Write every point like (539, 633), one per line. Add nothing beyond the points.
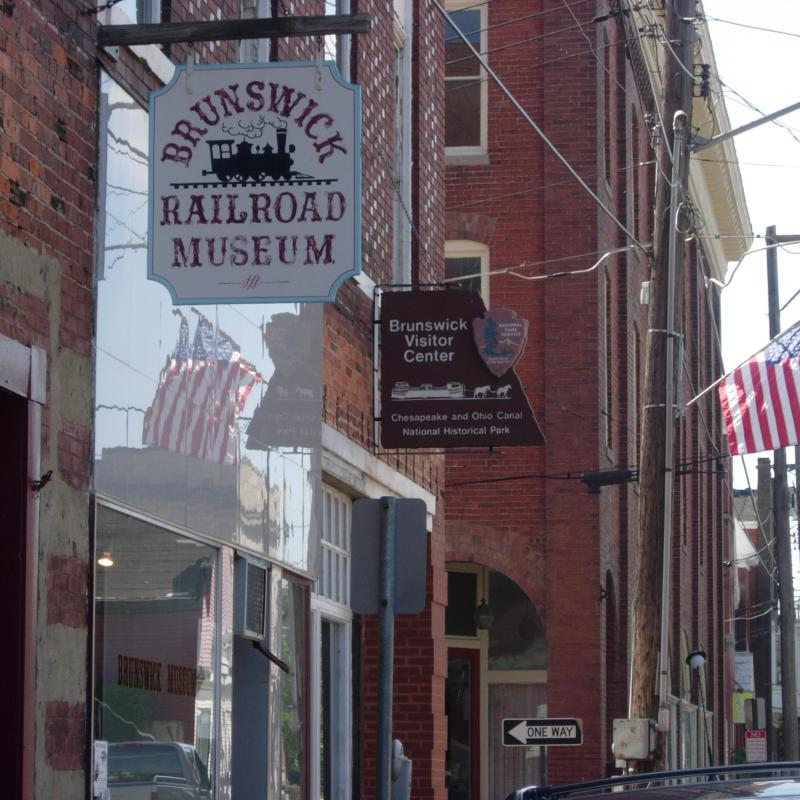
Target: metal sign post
(386, 645)
(389, 534)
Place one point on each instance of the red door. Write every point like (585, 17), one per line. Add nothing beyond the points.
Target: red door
(462, 690)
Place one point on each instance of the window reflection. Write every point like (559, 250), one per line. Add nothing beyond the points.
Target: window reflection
(517, 635)
(155, 611)
(463, 78)
(207, 418)
(292, 613)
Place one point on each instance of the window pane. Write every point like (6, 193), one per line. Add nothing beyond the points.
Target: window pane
(463, 89)
(463, 113)
(459, 701)
(461, 602)
(511, 767)
(326, 698)
(468, 21)
(453, 267)
(516, 637)
(461, 61)
(156, 627)
(294, 651)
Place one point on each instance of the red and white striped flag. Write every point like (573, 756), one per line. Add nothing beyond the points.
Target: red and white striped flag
(201, 392)
(761, 397)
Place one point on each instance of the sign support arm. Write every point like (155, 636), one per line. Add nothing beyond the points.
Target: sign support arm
(223, 30)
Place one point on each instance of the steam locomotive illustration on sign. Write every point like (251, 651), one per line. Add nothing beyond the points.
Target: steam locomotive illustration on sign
(244, 161)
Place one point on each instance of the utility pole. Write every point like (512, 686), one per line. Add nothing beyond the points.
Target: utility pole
(651, 600)
(782, 539)
(761, 641)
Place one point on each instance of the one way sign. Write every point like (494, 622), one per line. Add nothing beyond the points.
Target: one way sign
(541, 731)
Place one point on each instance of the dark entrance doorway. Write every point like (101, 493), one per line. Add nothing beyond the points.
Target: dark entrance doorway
(462, 762)
(13, 500)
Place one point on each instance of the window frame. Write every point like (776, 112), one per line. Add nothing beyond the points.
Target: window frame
(338, 46)
(339, 616)
(104, 503)
(466, 248)
(470, 154)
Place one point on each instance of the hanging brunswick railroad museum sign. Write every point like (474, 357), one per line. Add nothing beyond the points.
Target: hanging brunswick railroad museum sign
(255, 180)
(447, 373)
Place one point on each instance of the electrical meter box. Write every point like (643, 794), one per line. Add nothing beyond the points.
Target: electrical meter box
(633, 739)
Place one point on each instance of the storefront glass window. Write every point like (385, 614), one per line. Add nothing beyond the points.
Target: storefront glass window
(207, 422)
(155, 634)
(206, 417)
(291, 614)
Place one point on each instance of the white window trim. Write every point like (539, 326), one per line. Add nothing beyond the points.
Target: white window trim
(323, 609)
(401, 269)
(464, 248)
(151, 11)
(468, 155)
(150, 54)
(24, 371)
(343, 40)
(343, 732)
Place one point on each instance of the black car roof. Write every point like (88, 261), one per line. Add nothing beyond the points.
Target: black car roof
(739, 781)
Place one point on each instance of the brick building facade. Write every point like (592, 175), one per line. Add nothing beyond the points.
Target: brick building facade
(105, 524)
(78, 323)
(584, 76)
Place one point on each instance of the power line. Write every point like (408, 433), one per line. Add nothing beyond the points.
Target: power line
(592, 49)
(511, 21)
(752, 27)
(553, 149)
(745, 163)
(510, 45)
(563, 274)
(664, 39)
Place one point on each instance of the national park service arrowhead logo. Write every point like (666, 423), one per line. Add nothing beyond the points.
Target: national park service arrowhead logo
(500, 336)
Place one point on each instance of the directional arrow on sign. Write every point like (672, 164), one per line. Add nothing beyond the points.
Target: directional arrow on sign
(523, 732)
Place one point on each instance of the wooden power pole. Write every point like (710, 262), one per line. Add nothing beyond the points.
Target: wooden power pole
(650, 599)
(782, 543)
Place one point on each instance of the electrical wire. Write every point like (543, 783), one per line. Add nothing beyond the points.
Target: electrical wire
(514, 20)
(691, 228)
(643, 51)
(664, 38)
(592, 49)
(550, 145)
(789, 129)
(511, 45)
(751, 27)
(737, 618)
(562, 274)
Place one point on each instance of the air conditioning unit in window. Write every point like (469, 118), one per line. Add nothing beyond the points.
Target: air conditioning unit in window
(250, 599)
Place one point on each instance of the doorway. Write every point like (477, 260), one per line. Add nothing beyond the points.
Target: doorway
(13, 468)
(462, 761)
(497, 669)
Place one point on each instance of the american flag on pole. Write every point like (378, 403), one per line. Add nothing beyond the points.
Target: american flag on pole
(761, 397)
(201, 391)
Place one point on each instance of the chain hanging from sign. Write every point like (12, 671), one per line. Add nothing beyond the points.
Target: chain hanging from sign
(255, 181)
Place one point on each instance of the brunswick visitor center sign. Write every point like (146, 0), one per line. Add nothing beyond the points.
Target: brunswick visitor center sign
(255, 179)
(447, 372)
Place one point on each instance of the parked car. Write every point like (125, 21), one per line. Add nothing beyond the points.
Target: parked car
(156, 771)
(776, 781)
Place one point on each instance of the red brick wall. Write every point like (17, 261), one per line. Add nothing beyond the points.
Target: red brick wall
(48, 102)
(560, 544)
(420, 663)
(544, 534)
